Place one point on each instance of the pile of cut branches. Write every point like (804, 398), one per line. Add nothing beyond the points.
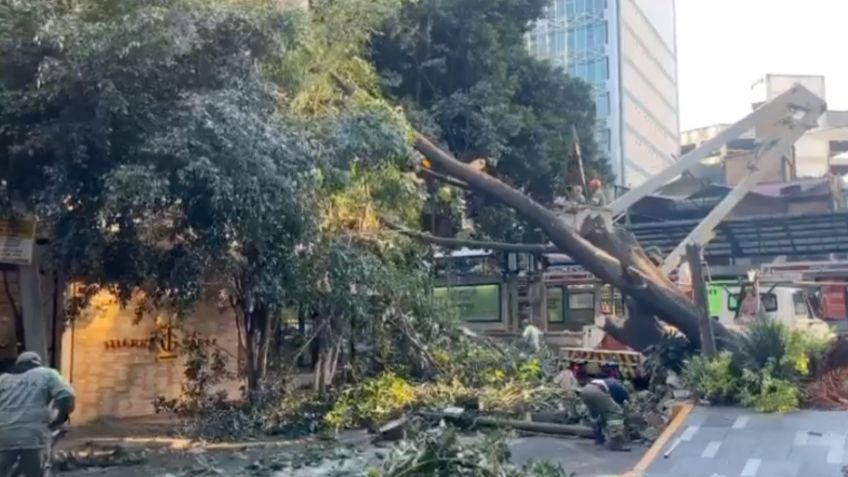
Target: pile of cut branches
(439, 451)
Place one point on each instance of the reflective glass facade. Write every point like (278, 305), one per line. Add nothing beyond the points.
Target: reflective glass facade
(625, 49)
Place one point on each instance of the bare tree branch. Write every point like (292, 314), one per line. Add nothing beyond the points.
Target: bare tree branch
(449, 242)
(447, 179)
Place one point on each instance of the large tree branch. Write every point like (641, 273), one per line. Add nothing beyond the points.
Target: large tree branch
(449, 242)
(668, 303)
(443, 178)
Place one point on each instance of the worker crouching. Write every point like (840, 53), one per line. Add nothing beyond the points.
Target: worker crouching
(605, 399)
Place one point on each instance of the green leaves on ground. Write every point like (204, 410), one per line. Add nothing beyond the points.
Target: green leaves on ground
(440, 451)
(712, 379)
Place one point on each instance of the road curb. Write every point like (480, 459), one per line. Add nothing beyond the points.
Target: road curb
(679, 415)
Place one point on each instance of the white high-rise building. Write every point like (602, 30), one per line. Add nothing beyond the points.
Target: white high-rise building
(626, 50)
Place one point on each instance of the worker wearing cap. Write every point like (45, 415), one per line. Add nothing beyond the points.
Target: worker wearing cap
(596, 189)
(605, 399)
(27, 400)
(575, 195)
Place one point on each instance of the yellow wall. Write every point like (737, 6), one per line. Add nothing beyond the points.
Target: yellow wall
(112, 371)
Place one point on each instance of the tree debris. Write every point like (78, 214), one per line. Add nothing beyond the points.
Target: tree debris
(95, 458)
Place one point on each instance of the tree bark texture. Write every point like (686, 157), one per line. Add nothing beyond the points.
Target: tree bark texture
(629, 269)
(699, 287)
(639, 330)
(257, 329)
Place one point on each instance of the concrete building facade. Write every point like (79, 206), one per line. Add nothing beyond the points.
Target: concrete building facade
(626, 50)
(119, 365)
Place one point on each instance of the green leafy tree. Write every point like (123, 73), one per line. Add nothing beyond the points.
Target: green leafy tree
(178, 147)
(145, 137)
(462, 69)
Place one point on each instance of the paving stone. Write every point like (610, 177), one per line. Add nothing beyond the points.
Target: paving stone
(733, 442)
(773, 468)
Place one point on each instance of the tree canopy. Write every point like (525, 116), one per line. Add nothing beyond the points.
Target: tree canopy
(166, 146)
(463, 71)
(173, 148)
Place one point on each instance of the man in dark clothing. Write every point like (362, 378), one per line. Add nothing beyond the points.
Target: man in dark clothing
(26, 399)
(605, 399)
(617, 391)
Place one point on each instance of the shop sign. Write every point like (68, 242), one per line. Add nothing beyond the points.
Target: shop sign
(164, 342)
(17, 241)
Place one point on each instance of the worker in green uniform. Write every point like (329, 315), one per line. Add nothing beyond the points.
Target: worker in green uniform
(28, 396)
(605, 399)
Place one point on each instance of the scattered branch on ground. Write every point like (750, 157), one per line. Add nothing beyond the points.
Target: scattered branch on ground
(92, 458)
(440, 452)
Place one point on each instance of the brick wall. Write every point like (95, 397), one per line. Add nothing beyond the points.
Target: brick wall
(111, 368)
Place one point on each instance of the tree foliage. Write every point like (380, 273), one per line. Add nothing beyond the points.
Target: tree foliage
(174, 148)
(147, 138)
(463, 71)
(177, 148)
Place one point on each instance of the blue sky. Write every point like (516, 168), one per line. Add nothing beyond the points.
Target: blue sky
(725, 45)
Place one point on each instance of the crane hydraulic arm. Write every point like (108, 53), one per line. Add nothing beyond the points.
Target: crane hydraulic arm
(782, 121)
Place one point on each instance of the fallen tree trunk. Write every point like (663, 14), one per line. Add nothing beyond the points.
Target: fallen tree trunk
(540, 427)
(640, 330)
(622, 244)
(632, 276)
(530, 426)
(632, 272)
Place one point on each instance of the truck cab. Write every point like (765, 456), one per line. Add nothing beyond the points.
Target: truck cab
(736, 307)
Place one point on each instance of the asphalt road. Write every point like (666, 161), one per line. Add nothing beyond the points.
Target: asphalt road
(580, 456)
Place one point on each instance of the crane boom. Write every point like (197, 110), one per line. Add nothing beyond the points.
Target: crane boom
(785, 119)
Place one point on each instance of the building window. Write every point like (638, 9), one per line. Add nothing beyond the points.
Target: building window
(475, 303)
(601, 73)
(590, 36)
(560, 42)
(602, 106)
(604, 138)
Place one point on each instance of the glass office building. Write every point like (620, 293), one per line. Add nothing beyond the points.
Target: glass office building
(626, 50)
